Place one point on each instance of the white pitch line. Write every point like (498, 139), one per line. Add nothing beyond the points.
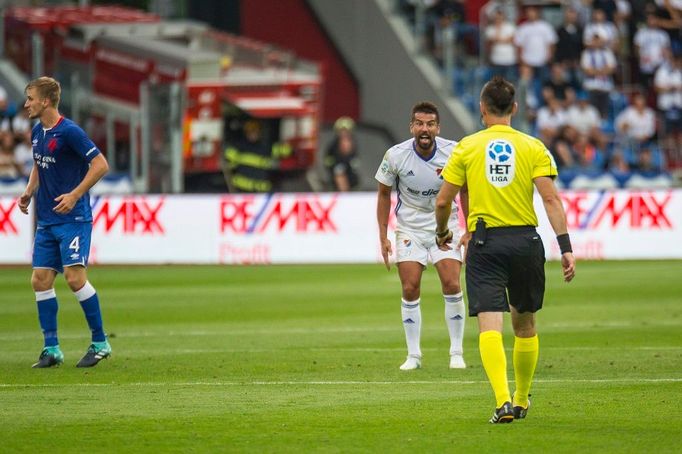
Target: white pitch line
(229, 331)
(332, 383)
(137, 352)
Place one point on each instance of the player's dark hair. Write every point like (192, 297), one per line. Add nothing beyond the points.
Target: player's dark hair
(47, 87)
(498, 96)
(427, 108)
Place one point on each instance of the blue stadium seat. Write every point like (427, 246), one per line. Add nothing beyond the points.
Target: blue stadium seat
(12, 186)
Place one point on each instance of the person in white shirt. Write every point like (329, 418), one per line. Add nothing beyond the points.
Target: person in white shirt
(598, 65)
(500, 39)
(583, 116)
(668, 84)
(651, 44)
(535, 39)
(551, 118)
(414, 167)
(638, 121)
(600, 32)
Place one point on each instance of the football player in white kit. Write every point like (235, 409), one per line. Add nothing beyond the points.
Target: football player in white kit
(414, 167)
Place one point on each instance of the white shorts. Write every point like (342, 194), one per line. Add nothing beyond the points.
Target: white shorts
(410, 249)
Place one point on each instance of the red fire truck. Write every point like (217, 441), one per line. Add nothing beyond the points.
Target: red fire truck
(166, 96)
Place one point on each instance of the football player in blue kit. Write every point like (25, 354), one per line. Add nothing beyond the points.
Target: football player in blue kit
(66, 164)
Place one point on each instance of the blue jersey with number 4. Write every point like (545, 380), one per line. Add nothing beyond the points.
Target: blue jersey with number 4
(62, 155)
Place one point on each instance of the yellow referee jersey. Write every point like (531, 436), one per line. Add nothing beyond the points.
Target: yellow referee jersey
(499, 164)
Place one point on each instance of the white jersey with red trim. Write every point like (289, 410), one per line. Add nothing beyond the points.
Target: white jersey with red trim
(418, 182)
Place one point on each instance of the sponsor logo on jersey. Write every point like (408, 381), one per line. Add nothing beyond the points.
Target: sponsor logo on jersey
(426, 193)
(410, 173)
(499, 162)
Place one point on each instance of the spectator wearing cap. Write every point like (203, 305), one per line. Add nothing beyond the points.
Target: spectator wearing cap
(341, 159)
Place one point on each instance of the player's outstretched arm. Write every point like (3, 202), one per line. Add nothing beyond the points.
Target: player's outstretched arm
(98, 168)
(383, 211)
(446, 195)
(557, 218)
(31, 187)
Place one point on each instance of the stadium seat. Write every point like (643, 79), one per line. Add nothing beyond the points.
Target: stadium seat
(640, 181)
(596, 181)
(12, 186)
(116, 183)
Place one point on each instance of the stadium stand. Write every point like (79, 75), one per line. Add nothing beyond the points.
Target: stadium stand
(626, 53)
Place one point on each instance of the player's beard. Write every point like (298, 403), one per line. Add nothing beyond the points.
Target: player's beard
(423, 144)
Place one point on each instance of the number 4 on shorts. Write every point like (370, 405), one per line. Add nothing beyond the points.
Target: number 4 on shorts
(74, 245)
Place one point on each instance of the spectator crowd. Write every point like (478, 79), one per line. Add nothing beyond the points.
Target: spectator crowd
(599, 81)
(16, 158)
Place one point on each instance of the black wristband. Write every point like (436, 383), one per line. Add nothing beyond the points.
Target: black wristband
(564, 243)
(443, 234)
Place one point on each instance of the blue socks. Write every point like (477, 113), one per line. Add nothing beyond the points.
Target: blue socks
(90, 304)
(47, 315)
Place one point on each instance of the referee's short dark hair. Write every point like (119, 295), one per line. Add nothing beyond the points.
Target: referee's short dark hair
(498, 96)
(426, 107)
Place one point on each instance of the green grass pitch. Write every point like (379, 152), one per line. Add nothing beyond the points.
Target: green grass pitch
(305, 359)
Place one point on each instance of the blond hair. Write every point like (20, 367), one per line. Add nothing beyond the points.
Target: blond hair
(47, 88)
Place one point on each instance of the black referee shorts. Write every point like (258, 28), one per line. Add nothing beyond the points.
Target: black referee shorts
(508, 269)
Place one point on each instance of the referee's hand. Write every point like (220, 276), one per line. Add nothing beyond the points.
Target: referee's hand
(464, 241)
(568, 264)
(443, 242)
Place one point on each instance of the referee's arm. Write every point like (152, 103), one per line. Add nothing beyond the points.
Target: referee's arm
(557, 218)
(446, 195)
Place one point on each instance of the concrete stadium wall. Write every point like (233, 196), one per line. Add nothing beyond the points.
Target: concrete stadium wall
(391, 75)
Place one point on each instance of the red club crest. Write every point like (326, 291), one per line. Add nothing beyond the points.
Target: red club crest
(52, 145)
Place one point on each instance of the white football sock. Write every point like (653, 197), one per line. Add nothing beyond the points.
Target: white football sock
(454, 318)
(412, 322)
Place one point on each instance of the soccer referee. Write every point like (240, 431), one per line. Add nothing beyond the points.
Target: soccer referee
(505, 256)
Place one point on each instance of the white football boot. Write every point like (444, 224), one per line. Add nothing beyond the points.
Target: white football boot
(457, 362)
(412, 363)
